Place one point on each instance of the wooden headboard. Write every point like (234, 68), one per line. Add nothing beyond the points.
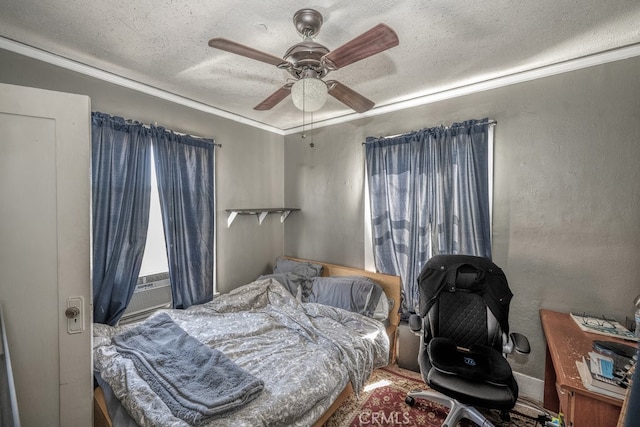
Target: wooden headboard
(390, 284)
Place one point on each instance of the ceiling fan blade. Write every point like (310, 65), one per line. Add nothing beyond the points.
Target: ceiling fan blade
(349, 97)
(379, 38)
(274, 98)
(249, 52)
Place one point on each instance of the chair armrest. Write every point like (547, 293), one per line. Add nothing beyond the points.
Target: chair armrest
(415, 322)
(521, 343)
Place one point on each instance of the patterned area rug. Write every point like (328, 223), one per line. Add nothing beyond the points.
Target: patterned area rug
(382, 404)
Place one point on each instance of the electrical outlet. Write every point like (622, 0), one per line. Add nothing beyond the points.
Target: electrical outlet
(75, 315)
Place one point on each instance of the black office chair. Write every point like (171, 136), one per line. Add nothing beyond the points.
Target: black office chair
(463, 323)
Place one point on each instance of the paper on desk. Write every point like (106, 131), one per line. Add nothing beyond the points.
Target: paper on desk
(601, 326)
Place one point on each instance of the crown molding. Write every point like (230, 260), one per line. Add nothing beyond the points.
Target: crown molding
(87, 70)
(410, 102)
(483, 85)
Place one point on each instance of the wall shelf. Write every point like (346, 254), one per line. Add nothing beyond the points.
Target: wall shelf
(260, 213)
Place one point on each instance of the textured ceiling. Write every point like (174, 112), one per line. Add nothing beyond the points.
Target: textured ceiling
(444, 44)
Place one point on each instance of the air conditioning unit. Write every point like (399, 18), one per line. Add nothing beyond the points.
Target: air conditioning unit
(148, 297)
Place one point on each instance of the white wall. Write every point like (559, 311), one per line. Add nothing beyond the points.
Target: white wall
(566, 225)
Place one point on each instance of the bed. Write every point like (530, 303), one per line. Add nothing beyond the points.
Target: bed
(308, 356)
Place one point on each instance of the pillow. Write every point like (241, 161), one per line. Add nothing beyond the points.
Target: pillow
(381, 312)
(294, 283)
(301, 268)
(353, 293)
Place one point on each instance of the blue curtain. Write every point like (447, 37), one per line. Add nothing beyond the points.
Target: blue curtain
(185, 172)
(121, 187)
(429, 195)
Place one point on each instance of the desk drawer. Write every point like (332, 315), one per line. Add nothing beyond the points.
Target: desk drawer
(590, 412)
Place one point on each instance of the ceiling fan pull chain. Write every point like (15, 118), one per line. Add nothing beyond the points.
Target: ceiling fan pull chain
(312, 144)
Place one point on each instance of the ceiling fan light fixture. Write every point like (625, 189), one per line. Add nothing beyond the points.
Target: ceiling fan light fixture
(309, 62)
(309, 94)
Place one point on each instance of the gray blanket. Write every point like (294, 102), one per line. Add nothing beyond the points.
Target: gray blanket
(194, 381)
(265, 331)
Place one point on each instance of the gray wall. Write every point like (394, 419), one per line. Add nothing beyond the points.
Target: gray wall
(566, 209)
(249, 166)
(566, 199)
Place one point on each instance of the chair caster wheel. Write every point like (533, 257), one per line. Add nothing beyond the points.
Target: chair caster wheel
(409, 401)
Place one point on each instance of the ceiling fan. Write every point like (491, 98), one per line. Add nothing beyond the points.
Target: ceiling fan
(309, 62)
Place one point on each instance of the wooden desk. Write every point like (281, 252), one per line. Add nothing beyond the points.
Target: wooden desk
(563, 389)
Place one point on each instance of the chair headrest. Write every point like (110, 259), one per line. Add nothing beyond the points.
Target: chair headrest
(472, 273)
(466, 277)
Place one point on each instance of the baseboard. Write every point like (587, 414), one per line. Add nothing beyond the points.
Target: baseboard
(530, 387)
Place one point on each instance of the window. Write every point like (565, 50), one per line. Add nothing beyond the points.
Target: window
(153, 290)
(154, 259)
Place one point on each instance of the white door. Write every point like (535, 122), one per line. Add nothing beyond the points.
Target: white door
(45, 140)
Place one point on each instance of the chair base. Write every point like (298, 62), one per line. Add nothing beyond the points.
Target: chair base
(457, 410)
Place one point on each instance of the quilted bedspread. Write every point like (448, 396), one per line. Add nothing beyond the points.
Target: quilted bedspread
(305, 354)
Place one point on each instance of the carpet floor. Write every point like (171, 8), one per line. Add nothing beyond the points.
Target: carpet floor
(382, 404)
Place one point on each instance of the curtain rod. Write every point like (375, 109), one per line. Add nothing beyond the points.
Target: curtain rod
(185, 134)
(488, 122)
(155, 124)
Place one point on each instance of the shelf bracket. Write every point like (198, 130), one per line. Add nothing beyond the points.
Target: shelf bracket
(284, 215)
(261, 216)
(231, 217)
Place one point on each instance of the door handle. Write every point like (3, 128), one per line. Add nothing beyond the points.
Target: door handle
(72, 312)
